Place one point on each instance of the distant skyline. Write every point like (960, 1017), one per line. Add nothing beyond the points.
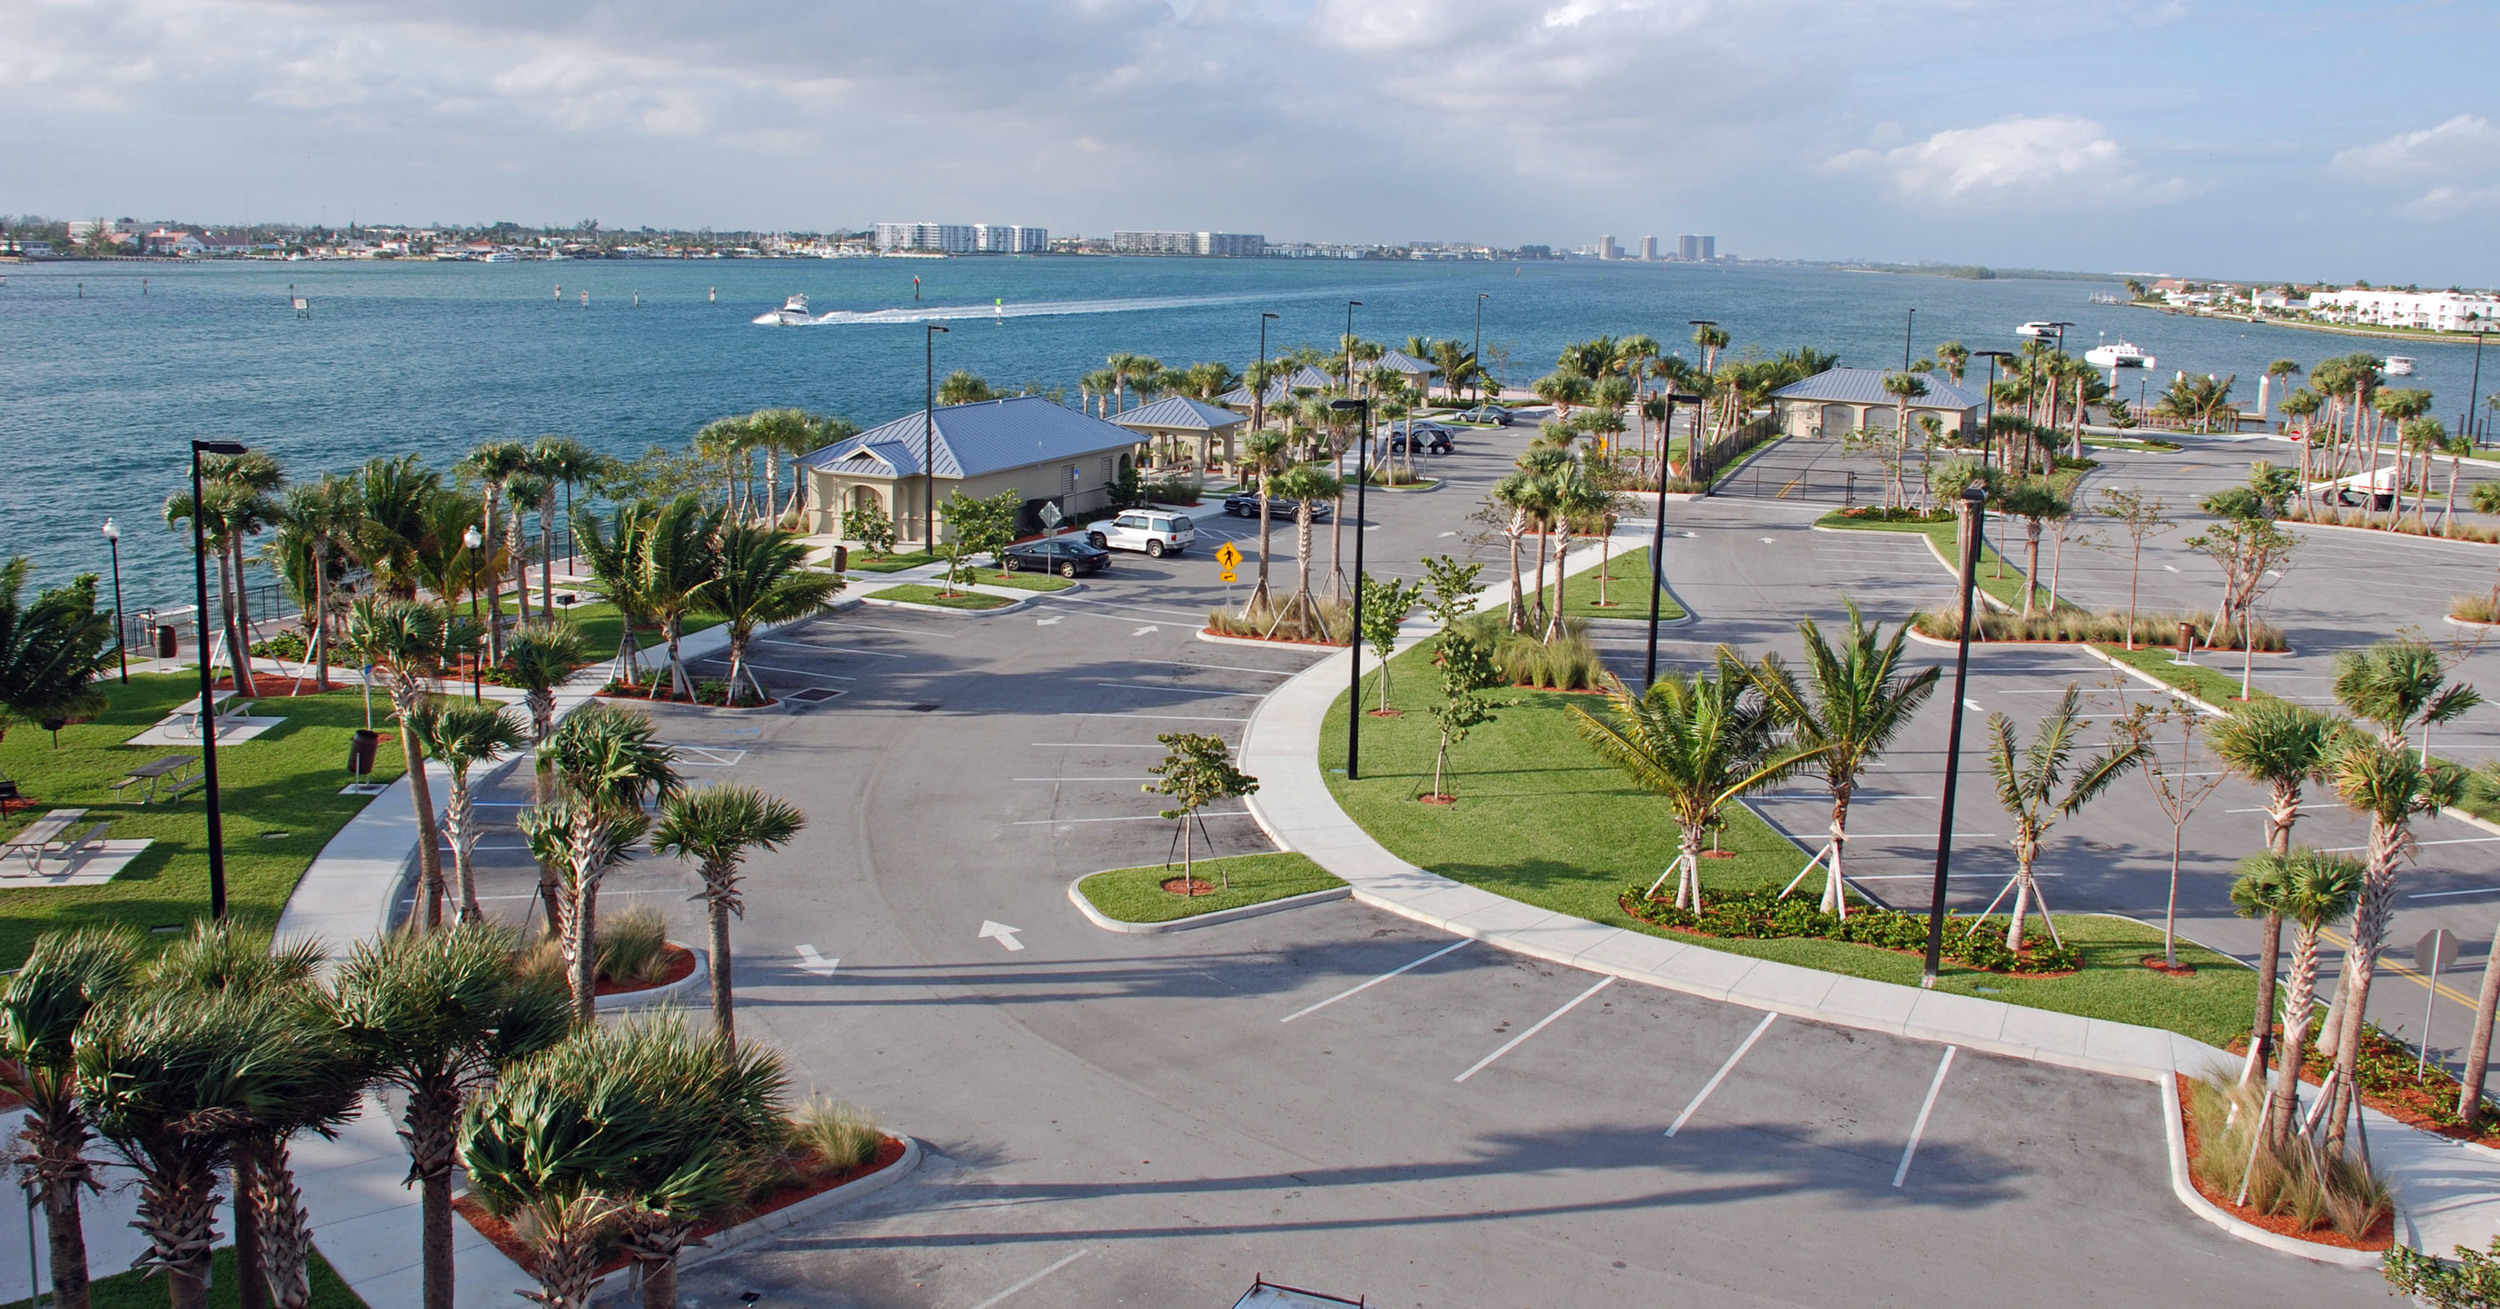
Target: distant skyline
(2249, 140)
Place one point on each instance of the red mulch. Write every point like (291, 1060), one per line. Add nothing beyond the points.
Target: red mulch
(1190, 886)
(1438, 798)
(680, 967)
(1385, 713)
(2406, 1106)
(267, 686)
(1274, 640)
(2380, 1236)
(2155, 963)
(505, 1239)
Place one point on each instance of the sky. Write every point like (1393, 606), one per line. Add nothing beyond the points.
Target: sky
(2287, 140)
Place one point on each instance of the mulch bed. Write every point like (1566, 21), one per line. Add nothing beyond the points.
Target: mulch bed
(2155, 963)
(500, 1233)
(1194, 886)
(680, 967)
(2381, 1235)
(1626, 903)
(268, 686)
(1272, 640)
(2411, 1105)
(615, 692)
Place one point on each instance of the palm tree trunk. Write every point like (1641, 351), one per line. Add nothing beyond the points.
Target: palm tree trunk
(460, 818)
(581, 920)
(2297, 1003)
(1836, 887)
(250, 1266)
(1536, 617)
(1518, 599)
(320, 651)
(178, 1214)
(494, 581)
(1562, 572)
(56, 1149)
(2270, 957)
(285, 1229)
(739, 636)
(421, 797)
(2031, 569)
(2369, 934)
(678, 683)
(239, 639)
(1259, 593)
(724, 1015)
(547, 552)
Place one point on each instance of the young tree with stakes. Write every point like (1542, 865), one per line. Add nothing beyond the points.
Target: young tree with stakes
(2180, 793)
(2027, 781)
(1385, 606)
(400, 637)
(2140, 517)
(1195, 772)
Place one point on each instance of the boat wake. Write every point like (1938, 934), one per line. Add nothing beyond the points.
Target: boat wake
(904, 314)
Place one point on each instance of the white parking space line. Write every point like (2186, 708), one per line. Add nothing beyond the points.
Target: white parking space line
(1721, 1075)
(1095, 779)
(1358, 990)
(831, 649)
(985, 1304)
(1512, 1043)
(2444, 895)
(1077, 745)
(1236, 668)
(1919, 1129)
(1184, 690)
(2461, 840)
(1137, 818)
(1176, 718)
(794, 672)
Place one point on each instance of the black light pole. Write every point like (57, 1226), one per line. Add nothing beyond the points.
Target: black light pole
(1258, 392)
(121, 622)
(1482, 296)
(1698, 401)
(1350, 307)
(475, 540)
(2473, 388)
(1975, 514)
(1987, 433)
(1907, 324)
(1658, 545)
(208, 685)
(1362, 477)
(928, 444)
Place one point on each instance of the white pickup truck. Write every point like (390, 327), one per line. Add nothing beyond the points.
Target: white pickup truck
(1155, 531)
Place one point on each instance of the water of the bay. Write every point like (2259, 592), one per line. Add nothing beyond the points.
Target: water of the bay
(109, 368)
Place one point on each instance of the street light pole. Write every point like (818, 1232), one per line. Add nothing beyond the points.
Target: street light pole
(2473, 388)
(1906, 325)
(1987, 434)
(1658, 546)
(928, 443)
(1258, 390)
(1350, 307)
(121, 621)
(1694, 452)
(1478, 352)
(1354, 647)
(208, 684)
(475, 540)
(1975, 514)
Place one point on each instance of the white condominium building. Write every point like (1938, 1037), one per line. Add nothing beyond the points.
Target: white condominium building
(944, 238)
(2438, 311)
(1227, 245)
(1008, 239)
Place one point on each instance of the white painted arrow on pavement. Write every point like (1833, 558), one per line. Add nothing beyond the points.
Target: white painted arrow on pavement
(1045, 622)
(1147, 628)
(816, 963)
(1004, 934)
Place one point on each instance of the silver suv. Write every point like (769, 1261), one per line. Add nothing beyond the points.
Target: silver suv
(1152, 530)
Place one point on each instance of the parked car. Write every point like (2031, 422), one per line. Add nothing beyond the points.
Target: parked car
(1435, 440)
(1494, 414)
(1246, 505)
(1152, 530)
(1064, 555)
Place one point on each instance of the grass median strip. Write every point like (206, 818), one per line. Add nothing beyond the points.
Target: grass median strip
(864, 563)
(1136, 895)
(1625, 589)
(1022, 581)
(1541, 819)
(143, 1289)
(913, 593)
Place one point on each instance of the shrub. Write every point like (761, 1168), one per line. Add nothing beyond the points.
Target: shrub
(633, 945)
(833, 1134)
(2411, 524)
(1176, 489)
(284, 645)
(2293, 1182)
(1762, 914)
(1335, 616)
(2160, 631)
(2475, 608)
(1897, 514)
(2470, 1281)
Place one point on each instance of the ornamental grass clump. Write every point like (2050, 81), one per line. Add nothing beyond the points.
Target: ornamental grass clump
(633, 946)
(2292, 1180)
(1262, 618)
(831, 1135)
(1764, 915)
(2109, 628)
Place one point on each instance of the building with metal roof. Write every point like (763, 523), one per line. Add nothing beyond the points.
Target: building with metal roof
(1417, 372)
(1170, 422)
(1045, 451)
(1281, 387)
(1837, 401)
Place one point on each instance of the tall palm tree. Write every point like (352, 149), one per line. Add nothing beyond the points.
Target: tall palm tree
(725, 442)
(522, 491)
(232, 507)
(399, 638)
(563, 462)
(1955, 358)
(1903, 388)
(2399, 685)
(461, 734)
(1700, 741)
(1578, 501)
(1264, 455)
(680, 561)
(762, 577)
(1306, 485)
(317, 521)
(614, 556)
(1856, 697)
(608, 763)
(2035, 504)
(715, 828)
(2027, 789)
(494, 464)
(170, 1077)
(67, 975)
(1456, 364)
(542, 658)
(394, 499)
(2280, 746)
(1712, 339)
(2313, 889)
(438, 1016)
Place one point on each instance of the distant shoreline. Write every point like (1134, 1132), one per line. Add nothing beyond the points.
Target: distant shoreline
(2332, 329)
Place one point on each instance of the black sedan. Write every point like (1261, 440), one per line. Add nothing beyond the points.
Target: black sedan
(1247, 506)
(1064, 555)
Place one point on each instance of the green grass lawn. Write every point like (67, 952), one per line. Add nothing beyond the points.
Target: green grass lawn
(1136, 895)
(1628, 591)
(1419, 484)
(1022, 581)
(1998, 576)
(1540, 819)
(2214, 678)
(600, 626)
(136, 1290)
(862, 563)
(915, 593)
(281, 804)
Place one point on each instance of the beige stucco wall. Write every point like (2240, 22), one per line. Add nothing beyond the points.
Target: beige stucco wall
(1082, 492)
(1805, 417)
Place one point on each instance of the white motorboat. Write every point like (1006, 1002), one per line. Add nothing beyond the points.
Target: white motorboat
(792, 313)
(2124, 354)
(2399, 366)
(2038, 329)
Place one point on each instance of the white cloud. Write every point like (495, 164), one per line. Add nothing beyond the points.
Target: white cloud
(2463, 144)
(2042, 164)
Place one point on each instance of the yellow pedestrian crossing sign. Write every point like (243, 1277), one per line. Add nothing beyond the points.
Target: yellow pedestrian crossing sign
(1229, 556)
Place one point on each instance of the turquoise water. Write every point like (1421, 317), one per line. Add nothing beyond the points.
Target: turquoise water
(99, 393)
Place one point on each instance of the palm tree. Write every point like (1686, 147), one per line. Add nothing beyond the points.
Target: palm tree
(614, 554)
(1698, 740)
(2027, 789)
(1712, 339)
(1955, 357)
(522, 491)
(562, 461)
(393, 500)
(2396, 685)
(2280, 746)
(762, 577)
(400, 637)
(1855, 699)
(637, 1132)
(235, 504)
(68, 974)
(1264, 455)
(462, 734)
(170, 1078)
(542, 657)
(2035, 504)
(963, 387)
(51, 650)
(1903, 388)
(1578, 501)
(1306, 485)
(438, 1015)
(608, 764)
(1455, 362)
(715, 828)
(495, 464)
(317, 521)
(675, 574)
(2312, 889)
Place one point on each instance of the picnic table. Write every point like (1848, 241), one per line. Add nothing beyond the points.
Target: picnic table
(174, 770)
(30, 843)
(227, 706)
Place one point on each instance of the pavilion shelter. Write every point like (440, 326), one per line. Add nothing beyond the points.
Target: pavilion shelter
(1838, 401)
(1179, 431)
(1044, 451)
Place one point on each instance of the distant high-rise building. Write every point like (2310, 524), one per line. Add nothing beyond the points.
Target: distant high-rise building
(1032, 240)
(1649, 249)
(1688, 248)
(1232, 245)
(994, 238)
(1154, 243)
(1709, 248)
(943, 238)
(1607, 249)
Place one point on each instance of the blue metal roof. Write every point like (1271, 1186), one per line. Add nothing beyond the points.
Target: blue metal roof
(1179, 413)
(1399, 361)
(1865, 386)
(1281, 387)
(976, 439)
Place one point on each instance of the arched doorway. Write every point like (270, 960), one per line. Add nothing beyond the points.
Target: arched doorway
(1838, 420)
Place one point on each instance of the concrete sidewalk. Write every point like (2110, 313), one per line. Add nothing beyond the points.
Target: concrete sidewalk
(2448, 1193)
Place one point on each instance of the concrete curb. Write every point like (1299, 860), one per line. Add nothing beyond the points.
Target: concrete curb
(1218, 638)
(1108, 923)
(627, 1001)
(1029, 600)
(779, 1220)
(2201, 704)
(2384, 534)
(2175, 1138)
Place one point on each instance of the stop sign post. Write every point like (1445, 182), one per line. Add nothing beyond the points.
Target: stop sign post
(2436, 950)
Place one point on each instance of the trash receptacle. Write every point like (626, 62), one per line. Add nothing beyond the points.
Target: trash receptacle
(167, 641)
(360, 751)
(842, 559)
